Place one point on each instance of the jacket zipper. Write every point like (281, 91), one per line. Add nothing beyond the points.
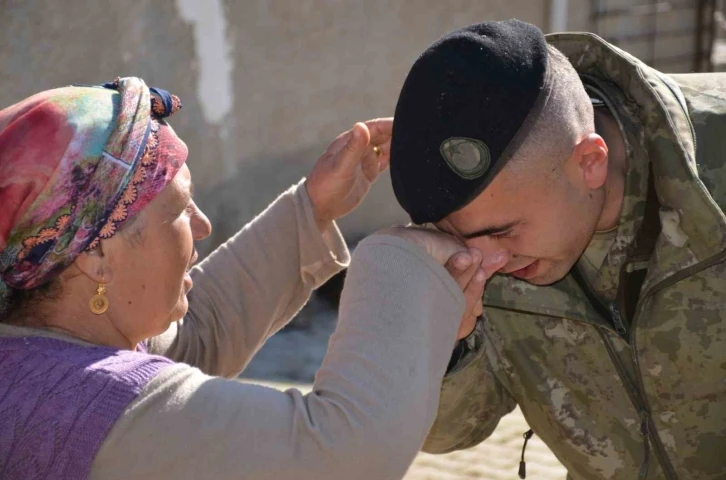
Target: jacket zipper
(635, 392)
(657, 443)
(635, 399)
(617, 321)
(647, 427)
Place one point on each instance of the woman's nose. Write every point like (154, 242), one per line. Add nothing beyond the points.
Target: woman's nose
(201, 226)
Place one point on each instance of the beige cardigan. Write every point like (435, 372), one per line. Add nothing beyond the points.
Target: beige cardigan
(373, 400)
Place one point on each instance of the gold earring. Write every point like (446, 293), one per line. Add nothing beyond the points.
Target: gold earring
(99, 302)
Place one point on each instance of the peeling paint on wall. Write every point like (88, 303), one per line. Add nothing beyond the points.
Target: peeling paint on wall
(214, 56)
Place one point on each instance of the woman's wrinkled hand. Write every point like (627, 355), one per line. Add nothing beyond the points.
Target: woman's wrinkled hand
(343, 175)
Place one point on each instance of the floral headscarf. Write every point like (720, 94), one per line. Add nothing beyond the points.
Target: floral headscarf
(75, 164)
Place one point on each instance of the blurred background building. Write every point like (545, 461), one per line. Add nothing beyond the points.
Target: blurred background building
(266, 84)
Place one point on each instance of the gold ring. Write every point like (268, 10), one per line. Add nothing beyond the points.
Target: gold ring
(377, 151)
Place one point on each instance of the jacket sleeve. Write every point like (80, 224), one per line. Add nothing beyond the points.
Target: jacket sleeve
(252, 285)
(372, 403)
(471, 403)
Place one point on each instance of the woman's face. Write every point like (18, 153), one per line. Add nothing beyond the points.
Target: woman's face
(150, 260)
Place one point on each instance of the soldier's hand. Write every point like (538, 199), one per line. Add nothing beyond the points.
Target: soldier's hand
(471, 270)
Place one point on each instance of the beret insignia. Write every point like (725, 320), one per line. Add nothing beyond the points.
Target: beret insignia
(466, 157)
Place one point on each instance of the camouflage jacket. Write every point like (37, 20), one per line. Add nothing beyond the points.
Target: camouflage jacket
(618, 392)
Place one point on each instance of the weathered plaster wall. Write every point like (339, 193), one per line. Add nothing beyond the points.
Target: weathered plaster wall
(265, 84)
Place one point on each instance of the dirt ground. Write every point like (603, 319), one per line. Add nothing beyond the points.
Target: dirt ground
(291, 357)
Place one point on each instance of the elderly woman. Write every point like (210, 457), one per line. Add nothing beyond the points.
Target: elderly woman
(99, 380)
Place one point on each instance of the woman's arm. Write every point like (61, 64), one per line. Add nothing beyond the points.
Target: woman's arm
(253, 285)
(373, 401)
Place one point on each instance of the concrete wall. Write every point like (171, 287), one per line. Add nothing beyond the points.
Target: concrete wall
(265, 84)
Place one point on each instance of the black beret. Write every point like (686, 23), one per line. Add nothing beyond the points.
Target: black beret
(464, 109)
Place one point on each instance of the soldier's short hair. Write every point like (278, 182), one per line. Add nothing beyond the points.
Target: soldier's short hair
(565, 119)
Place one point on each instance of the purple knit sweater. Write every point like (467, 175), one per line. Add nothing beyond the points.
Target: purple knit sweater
(59, 400)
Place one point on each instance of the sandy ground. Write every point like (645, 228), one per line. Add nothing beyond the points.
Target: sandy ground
(291, 357)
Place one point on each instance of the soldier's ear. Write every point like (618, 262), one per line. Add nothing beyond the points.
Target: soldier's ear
(590, 161)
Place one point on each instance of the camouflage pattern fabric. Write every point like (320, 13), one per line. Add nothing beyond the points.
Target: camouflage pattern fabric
(650, 403)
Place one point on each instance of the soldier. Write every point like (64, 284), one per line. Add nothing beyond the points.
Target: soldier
(578, 161)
